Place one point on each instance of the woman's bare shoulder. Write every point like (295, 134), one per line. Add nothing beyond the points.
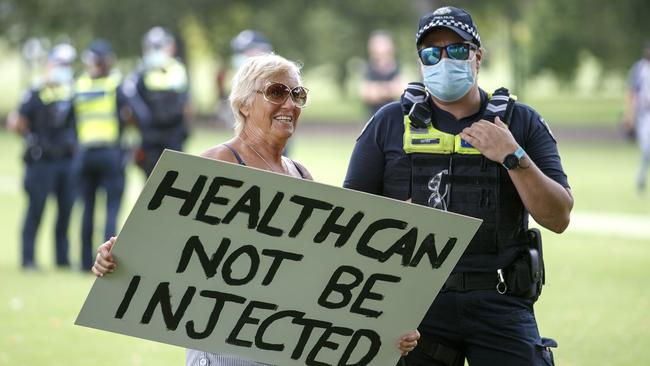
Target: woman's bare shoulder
(219, 152)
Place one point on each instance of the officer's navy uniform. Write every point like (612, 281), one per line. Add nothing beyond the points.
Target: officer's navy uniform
(51, 145)
(159, 101)
(486, 327)
(101, 164)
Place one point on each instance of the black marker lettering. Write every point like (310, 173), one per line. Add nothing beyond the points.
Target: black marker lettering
(128, 296)
(405, 246)
(308, 206)
(259, 336)
(324, 342)
(244, 319)
(211, 198)
(226, 270)
(165, 188)
(428, 246)
(163, 297)
(220, 299)
(375, 344)
(278, 256)
(249, 203)
(344, 231)
(381, 224)
(367, 294)
(343, 289)
(209, 266)
(263, 226)
(308, 328)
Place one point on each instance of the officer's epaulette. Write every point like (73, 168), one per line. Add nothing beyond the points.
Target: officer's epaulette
(500, 103)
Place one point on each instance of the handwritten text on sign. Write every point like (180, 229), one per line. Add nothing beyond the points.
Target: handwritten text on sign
(229, 259)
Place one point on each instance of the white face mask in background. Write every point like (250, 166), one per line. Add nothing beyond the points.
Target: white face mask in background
(155, 59)
(449, 80)
(61, 75)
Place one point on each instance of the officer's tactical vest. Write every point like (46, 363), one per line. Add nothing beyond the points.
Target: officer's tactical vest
(163, 89)
(96, 110)
(57, 103)
(51, 134)
(449, 173)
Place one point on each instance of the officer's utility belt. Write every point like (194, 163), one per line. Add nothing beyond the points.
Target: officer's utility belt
(523, 277)
(96, 146)
(35, 153)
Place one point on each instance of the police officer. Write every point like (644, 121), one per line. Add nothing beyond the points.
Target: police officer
(637, 112)
(158, 95)
(246, 44)
(98, 102)
(46, 122)
(460, 150)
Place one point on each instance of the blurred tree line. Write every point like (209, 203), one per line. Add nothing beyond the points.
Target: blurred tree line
(541, 34)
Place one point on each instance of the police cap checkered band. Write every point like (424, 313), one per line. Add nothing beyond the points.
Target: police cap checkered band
(455, 19)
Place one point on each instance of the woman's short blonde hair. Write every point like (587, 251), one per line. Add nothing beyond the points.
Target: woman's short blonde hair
(251, 77)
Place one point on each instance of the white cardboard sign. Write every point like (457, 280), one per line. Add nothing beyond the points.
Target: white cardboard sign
(230, 259)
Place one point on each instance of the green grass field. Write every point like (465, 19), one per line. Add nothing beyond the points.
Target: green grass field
(595, 303)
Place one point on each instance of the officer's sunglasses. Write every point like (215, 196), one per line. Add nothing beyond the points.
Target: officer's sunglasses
(455, 51)
(277, 93)
(437, 200)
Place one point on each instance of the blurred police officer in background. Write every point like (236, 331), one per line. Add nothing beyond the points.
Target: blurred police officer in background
(382, 82)
(158, 94)
(100, 108)
(452, 146)
(637, 112)
(45, 119)
(246, 44)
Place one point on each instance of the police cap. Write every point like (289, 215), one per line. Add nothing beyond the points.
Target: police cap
(157, 37)
(63, 54)
(98, 50)
(248, 40)
(455, 19)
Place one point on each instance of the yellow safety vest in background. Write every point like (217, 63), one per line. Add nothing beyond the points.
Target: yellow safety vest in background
(96, 110)
(173, 77)
(58, 93)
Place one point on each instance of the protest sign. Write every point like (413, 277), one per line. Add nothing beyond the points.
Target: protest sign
(230, 259)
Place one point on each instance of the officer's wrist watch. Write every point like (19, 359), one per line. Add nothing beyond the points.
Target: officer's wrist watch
(512, 161)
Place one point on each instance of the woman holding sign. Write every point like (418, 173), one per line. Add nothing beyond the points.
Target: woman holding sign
(266, 98)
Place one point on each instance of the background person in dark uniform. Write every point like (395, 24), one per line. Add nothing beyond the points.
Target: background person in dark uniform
(98, 102)
(382, 81)
(158, 95)
(46, 122)
(476, 167)
(247, 43)
(637, 113)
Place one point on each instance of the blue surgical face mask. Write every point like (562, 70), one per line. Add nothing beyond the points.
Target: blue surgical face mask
(155, 59)
(61, 75)
(448, 80)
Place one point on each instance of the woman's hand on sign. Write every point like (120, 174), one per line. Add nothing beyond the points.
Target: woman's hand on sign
(408, 341)
(104, 262)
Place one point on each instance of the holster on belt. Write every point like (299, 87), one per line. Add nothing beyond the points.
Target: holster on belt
(525, 276)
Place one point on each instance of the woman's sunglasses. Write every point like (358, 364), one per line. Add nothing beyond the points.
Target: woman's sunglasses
(277, 93)
(455, 51)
